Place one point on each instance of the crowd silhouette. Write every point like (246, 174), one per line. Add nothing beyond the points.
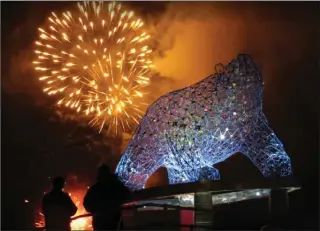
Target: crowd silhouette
(103, 200)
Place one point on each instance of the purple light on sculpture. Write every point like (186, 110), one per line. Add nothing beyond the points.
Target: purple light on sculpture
(189, 130)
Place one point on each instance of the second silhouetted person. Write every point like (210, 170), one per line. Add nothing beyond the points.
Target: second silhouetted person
(104, 200)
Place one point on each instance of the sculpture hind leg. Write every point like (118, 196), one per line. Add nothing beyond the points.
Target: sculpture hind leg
(181, 175)
(266, 151)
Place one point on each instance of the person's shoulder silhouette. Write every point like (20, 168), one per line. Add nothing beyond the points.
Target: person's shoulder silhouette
(57, 206)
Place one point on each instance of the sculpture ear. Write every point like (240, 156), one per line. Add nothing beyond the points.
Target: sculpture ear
(219, 68)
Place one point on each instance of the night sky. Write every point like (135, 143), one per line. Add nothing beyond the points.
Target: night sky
(37, 144)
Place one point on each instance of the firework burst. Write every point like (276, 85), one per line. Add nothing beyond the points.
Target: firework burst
(96, 61)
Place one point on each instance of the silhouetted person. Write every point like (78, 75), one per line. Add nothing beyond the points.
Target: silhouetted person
(57, 207)
(104, 200)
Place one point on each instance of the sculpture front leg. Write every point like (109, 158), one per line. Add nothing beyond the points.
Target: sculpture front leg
(266, 151)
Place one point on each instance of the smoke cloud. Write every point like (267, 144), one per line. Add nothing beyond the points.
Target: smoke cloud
(193, 42)
(196, 36)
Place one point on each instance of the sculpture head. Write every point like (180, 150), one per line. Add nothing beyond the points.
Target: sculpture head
(244, 76)
(244, 67)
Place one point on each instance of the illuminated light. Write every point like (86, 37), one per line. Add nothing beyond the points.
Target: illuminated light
(181, 121)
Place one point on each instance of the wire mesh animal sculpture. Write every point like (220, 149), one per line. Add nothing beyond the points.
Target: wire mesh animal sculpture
(191, 129)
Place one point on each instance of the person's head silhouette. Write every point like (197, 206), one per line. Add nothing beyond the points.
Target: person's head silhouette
(58, 183)
(104, 173)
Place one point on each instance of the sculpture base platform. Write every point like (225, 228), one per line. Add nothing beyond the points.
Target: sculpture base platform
(198, 210)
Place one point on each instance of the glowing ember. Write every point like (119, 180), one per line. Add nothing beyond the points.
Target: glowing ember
(83, 223)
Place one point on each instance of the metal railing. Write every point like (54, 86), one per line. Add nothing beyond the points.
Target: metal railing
(136, 207)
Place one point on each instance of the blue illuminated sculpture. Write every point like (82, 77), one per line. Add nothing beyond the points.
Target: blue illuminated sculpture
(191, 129)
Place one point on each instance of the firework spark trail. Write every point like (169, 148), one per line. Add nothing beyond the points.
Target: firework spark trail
(96, 60)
